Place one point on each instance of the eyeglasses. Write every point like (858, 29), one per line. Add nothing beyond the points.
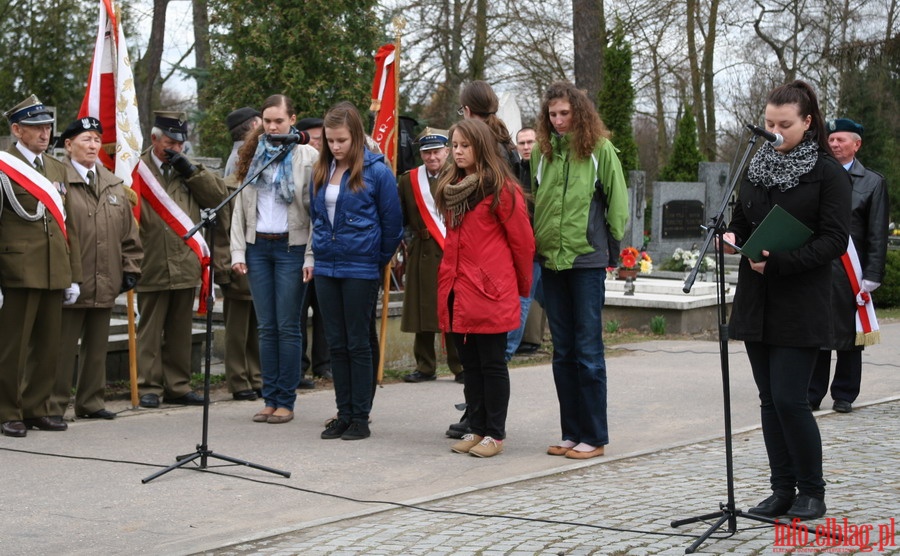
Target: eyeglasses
(461, 111)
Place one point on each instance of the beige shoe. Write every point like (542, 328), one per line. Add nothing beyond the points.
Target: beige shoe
(575, 454)
(263, 416)
(464, 445)
(488, 447)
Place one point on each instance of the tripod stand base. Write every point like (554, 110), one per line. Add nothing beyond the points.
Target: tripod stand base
(723, 515)
(203, 454)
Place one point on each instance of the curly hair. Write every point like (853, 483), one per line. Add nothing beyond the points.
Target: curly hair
(586, 130)
(802, 94)
(493, 171)
(342, 114)
(251, 140)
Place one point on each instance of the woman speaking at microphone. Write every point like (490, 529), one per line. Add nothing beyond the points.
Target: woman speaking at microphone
(269, 232)
(782, 308)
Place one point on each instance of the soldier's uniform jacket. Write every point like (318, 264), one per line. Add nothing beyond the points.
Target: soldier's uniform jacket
(234, 285)
(168, 262)
(108, 235)
(35, 254)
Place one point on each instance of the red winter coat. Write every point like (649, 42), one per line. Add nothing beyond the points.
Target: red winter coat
(487, 265)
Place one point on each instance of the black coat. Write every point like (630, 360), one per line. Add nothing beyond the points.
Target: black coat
(869, 230)
(790, 305)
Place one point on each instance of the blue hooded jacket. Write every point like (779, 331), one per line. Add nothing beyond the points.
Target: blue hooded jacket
(368, 224)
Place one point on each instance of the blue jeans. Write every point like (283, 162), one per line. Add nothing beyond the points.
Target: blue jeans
(514, 338)
(573, 302)
(275, 273)
(347, 307)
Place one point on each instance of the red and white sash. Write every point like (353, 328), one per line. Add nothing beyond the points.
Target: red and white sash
(867, 332)
(37, 185)
(175, 218)
(421, 190)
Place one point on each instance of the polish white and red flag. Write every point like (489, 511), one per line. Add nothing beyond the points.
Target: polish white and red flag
(384, 103)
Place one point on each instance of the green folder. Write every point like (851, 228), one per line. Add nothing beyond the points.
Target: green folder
(779, 231)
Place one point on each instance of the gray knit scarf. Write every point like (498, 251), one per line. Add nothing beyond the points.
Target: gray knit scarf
(461, 197)
(770, 168)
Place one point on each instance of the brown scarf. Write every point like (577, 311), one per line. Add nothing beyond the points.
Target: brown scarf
(461, 197)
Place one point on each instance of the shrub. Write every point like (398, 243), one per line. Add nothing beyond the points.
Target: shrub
(658, 325)
(888, 295)
(611, 327)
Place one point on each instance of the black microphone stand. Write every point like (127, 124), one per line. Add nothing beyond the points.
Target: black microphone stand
(715, 230)
(208, 220)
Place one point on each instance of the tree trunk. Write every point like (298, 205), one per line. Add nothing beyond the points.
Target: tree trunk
(201, 49)
(479, 59)
(708, 141)
(147, 68)
(588, 27)
(696, 77)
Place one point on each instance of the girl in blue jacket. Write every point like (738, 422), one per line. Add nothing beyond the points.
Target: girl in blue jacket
(356, 227)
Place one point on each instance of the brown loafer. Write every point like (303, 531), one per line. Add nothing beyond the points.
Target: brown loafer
(596, 452)
(557, 450)
(275, 419)
(262, 417)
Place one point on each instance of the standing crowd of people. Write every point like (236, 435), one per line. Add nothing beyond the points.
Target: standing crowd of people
(491, 223)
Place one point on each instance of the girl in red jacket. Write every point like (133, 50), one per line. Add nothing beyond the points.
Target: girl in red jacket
(485, 269)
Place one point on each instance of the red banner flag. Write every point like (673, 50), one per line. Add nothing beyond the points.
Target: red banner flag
(110, 97)
(384, 102)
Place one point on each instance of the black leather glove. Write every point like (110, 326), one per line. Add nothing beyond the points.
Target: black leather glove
(180, 163)
(129, 281)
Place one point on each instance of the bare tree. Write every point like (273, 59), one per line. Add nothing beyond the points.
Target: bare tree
(147, 67)
(589, 31)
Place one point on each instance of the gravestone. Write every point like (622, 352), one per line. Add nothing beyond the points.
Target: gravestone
(637, 202)
(715, 175)
(679, 209)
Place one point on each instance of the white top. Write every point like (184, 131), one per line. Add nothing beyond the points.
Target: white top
(271, 213)
(332, 190)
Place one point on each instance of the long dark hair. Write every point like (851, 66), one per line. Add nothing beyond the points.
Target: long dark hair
(483, 103)
(587, 128)
(342, 114)
(492, 170)
(251, 140)
(802, 94)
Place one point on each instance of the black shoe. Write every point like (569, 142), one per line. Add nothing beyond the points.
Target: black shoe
(335, 429)
(813, 406)
(99, 414)
(416, 376)
(149, 400)
(526, 348)
(245, 396)
(326, 374)
(806, 507)
(191, 398)
(52, 423)
(460, 378)
(306, 384)
(776, 505)
(842, 406)
(16, 429)
(357, 431)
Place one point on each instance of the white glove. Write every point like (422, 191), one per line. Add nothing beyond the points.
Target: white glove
(71, 294)
(1, 299)
(868, 285)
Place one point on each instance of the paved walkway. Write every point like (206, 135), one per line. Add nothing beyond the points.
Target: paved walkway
(80, 492)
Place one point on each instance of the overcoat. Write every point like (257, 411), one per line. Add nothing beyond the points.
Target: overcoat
(35, 254)
(422, 263)
(790, 304)
(108, 235)
(169, 264)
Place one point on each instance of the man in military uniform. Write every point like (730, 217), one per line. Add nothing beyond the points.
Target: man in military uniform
(242, 367)
(40, 266)
(868, 230)
(100, 214)
(426, 228)
(171, 270)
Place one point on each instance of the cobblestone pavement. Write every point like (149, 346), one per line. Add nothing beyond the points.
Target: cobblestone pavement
(625, 507)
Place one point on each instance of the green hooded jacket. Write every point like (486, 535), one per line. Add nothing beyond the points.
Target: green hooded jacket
(570, 229)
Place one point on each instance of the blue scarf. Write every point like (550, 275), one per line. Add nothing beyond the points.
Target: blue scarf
(278, 176)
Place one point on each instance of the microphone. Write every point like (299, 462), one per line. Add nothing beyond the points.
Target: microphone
(299, 137)
(775, 138)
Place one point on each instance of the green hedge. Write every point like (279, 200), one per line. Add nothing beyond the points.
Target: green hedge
(888, 295)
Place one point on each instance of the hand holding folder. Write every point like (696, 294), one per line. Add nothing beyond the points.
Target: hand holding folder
(779, 231)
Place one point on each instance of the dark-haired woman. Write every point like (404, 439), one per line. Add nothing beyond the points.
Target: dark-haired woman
(269, 233)
(782, 308)
(479, 101)
(486, 266)
(579, 200)
(357, 226)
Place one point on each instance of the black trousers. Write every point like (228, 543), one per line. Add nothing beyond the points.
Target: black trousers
(483, 358)
(790, 432)
(847, 377)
